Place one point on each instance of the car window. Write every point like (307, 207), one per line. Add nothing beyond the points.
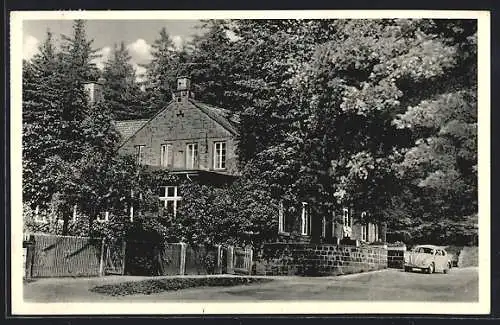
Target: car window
(425, 250)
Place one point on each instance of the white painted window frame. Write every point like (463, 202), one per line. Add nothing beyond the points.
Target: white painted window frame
(166, 198)
(191, 152)
(38, 218)
(333, 224)
(131, 209)
(346, 218)
(323, 227)
(166, 155)
(139, 154)
(75, 212)
(105, 219)
(306, 220)
(281, 218)
(219, 158)
(364, 232)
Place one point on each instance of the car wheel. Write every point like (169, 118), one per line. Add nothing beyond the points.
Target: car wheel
(447, 269)
(430, 269)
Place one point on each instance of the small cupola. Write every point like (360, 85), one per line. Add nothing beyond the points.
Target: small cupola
(182, 93)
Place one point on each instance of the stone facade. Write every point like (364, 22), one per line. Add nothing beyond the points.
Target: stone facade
(396, 257)
(182, 123)
(319, 260)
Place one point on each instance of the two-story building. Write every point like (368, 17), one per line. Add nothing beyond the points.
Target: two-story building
(199, 141)
(188, 138)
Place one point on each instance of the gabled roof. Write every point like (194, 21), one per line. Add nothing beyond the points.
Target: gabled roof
(129, 127)
(222, 116)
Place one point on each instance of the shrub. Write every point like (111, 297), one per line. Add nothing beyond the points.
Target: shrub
(148, 287)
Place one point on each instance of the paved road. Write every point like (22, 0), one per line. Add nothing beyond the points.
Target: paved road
(386, 285)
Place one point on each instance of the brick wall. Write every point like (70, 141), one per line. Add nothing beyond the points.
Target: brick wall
(309, 259)
(180, 124)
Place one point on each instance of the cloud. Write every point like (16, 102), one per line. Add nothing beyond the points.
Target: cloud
(140, 51)
(30, 47)
(104, 54)
(139, 72)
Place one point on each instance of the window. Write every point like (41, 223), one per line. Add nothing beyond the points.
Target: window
(75, 212)
(281, 218)
(139, 154)
(171, 201)
(103, 217)
(192, 156)
(166, 157)
(333, 224)
(219, 155)
(375, 232)
(364, 232)
(323, 227)
(364, 227)
(306, 219)
(38, 217)
(346, 219)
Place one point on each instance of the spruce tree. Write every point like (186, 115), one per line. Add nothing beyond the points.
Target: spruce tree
(41, 123)
(121, 90)
(77, 70)
(161, 73)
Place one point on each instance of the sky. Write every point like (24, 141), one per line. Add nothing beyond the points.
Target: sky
(138, 35)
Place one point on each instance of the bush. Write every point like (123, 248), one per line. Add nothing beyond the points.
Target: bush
(148, 287)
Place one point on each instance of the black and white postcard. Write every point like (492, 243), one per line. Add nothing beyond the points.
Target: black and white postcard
(260, 162)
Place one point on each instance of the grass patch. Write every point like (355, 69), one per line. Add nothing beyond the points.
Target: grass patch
(148, 287)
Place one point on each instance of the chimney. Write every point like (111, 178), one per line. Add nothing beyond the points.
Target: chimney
(94, 91)
(182, 93)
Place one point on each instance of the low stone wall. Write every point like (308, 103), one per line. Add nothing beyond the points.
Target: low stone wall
(318, 260)
(396, 257)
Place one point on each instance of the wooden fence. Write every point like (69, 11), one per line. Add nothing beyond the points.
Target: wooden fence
(59, 256)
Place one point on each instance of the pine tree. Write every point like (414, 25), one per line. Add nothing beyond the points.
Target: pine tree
(77, 70)
(41, 122)
(121, 90)
(161, 73)
(210, 64)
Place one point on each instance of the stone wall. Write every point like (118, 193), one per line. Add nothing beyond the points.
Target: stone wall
(396, 257)
(179, 125)
(318, 260)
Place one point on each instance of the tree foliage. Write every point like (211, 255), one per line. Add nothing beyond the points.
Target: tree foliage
(378, 115)
(161, 73)
(121, 90)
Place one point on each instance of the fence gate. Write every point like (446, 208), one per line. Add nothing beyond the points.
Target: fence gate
(242, 260)
(114, 260)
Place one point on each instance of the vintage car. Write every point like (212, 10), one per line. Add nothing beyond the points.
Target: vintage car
(428, 258)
